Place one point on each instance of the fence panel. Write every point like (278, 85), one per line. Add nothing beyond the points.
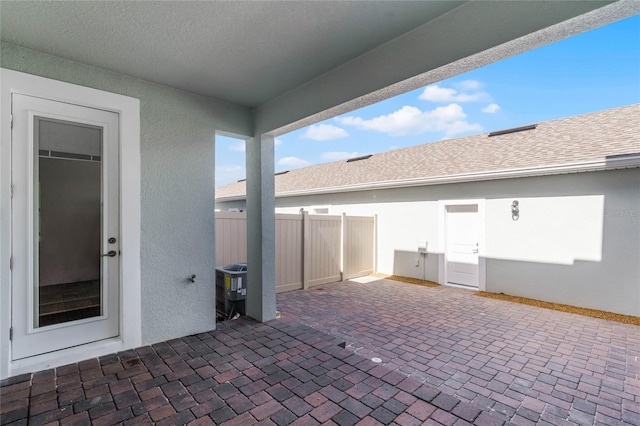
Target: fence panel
(311, 250)
(322, 249)
(289, 249)
(358, 248)
(231, 238)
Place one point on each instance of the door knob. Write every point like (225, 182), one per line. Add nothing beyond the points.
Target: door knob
(112, 253)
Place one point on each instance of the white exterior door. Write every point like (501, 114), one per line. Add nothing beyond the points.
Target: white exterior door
(65, 226)
(462, 237)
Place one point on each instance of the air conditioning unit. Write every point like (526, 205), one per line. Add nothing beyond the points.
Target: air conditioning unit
(231, 289)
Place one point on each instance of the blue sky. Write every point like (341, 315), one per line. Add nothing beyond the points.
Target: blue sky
(596, 70)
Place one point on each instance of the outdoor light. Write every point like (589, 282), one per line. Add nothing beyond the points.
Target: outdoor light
(515, 211)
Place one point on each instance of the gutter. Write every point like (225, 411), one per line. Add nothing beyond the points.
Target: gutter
(625, 161)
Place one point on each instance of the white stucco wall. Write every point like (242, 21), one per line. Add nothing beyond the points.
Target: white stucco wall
(577, 240)
(177, 181)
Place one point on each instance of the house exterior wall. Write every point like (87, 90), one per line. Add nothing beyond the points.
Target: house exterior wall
(577, 240)
(177, 175)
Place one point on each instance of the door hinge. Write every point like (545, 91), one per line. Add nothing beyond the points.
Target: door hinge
(12, 186)
(11, 334)
(11, 115)
(11, 263)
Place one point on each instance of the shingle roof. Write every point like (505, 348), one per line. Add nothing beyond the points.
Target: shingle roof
(578, 139)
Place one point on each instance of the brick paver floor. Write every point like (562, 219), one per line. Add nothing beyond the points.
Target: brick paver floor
(521, 363)
(447, 358)
(244, 373)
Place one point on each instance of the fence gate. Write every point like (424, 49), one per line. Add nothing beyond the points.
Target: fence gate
(322, 249)
(289, 246)
(358, 246)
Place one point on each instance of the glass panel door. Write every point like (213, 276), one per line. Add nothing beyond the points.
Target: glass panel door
(68, 221)
(65, 222)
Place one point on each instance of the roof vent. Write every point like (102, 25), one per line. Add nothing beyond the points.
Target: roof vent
(629, 154)
(363, 157)
(282, 173)
(513, 130)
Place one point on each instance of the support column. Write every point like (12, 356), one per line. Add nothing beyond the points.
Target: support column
(261, 274)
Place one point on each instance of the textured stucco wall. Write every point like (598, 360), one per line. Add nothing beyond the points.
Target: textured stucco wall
(577, 240)
(177, 180)
(261, 274)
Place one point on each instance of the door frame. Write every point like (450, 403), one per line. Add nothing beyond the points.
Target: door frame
(442, 239)
(130, 320)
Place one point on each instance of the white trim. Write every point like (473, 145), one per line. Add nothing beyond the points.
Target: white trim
(66, 356)
(28, 339)
(130, 292)
(442, 239)
(622, 162)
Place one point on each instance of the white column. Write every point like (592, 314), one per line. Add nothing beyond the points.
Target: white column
(261, 274)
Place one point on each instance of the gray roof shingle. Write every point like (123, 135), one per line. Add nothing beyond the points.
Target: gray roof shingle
(578, 139)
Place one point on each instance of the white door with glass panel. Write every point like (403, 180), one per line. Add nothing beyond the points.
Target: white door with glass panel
(65, 225)
(462, 236)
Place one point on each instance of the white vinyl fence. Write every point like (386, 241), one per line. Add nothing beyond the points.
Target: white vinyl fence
(311, 250)
(358, 247)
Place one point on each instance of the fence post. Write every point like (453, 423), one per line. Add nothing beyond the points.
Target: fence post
(375, 243)
(343, 246)
(306, 250)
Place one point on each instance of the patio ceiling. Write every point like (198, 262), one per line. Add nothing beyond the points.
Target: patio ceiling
(242, 52)
(257, 53)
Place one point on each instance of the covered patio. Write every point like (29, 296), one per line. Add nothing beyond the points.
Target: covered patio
(447, 357)
(164, 78)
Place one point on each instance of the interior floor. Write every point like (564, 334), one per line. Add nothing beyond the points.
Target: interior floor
(69, 302)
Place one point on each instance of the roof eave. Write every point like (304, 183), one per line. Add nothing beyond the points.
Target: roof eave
(621, 162)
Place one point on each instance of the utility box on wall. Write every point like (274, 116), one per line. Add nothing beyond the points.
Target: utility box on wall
(231, 289)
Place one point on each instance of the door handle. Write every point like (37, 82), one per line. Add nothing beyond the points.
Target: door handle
(112, 253)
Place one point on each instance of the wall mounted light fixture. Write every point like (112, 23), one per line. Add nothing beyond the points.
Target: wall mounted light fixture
(515, 210)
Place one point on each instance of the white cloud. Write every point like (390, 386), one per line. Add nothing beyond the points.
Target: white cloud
(324, 132)
(338, 155)
(238, 146)
(491, 108)
(277, 142)
(450, 119)
(435, 93)
(293, 162)
(469, 85)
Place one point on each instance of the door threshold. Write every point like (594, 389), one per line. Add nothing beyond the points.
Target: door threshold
(462, 286)
(65, 356)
